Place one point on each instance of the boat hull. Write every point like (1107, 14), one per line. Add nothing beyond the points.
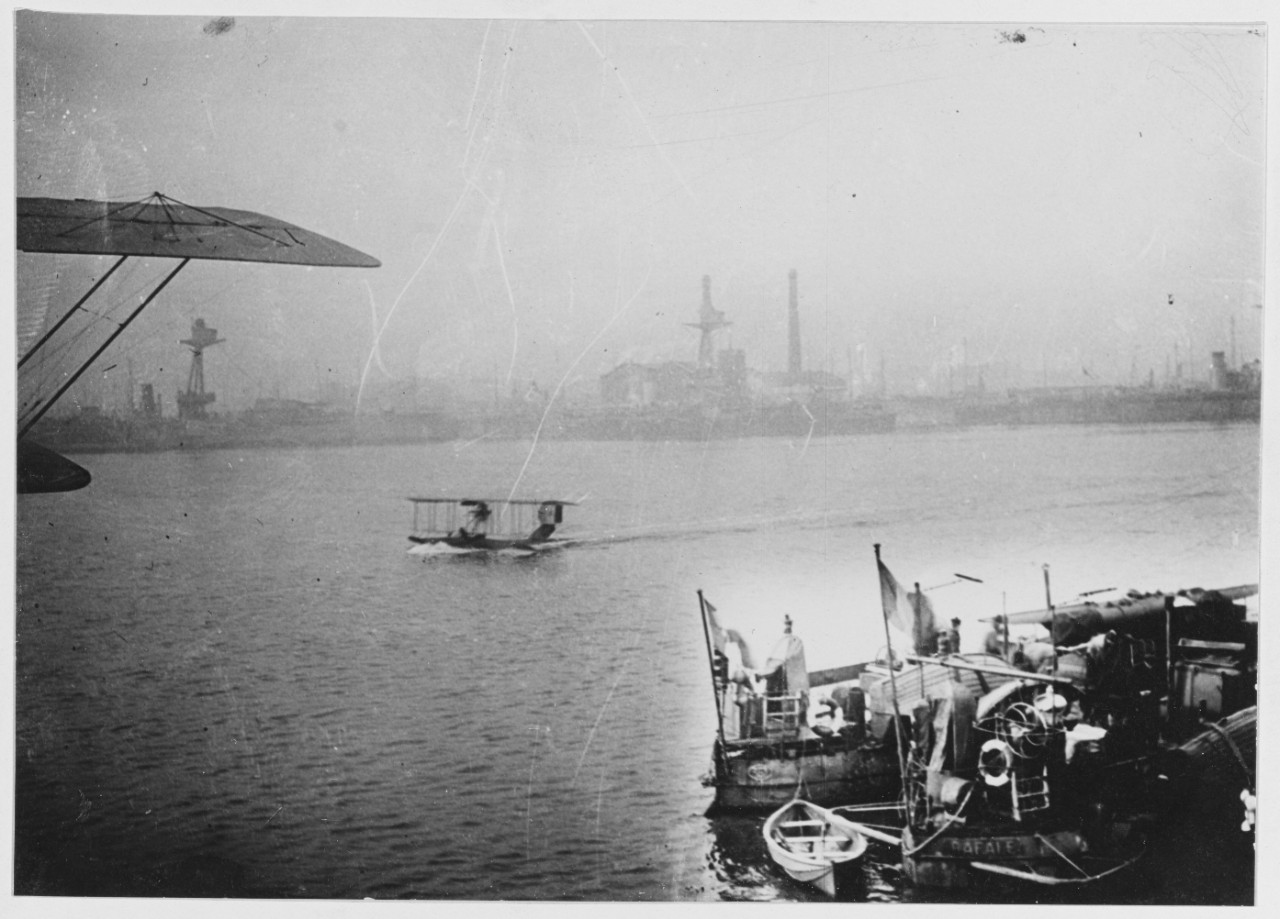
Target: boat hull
(956, 858)
(756, 776)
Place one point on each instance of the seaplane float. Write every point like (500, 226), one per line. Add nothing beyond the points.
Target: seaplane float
(454, 526)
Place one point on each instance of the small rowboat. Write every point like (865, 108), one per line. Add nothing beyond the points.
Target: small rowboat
(813, 845)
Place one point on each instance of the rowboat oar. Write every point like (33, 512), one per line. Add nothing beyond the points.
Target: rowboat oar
(872, 833)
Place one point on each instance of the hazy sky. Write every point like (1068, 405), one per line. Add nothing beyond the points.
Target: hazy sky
(545, 197)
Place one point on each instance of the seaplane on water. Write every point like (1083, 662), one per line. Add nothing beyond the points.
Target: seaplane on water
(155, 226)
(469, 525)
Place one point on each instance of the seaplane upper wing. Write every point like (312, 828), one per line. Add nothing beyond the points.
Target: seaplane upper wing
(163, 227)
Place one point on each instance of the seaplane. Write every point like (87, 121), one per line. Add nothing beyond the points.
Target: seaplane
(451, 526)
(156, 226)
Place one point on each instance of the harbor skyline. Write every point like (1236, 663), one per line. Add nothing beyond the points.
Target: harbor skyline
(546, 195)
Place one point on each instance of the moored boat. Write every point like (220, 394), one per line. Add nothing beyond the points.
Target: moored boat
(1019, 783)
(784, 730)
(1056, 776)
(814, 845)
(1055, 758)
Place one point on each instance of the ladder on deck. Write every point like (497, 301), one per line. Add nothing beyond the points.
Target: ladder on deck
(782, 715)
(1030, 794)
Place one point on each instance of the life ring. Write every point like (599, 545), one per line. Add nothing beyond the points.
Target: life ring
(995, 762)
(1023, 727)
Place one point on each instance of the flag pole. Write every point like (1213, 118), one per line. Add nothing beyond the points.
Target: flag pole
(917, 632)
(1168, 658)
(893, 684)
(715, 690)
(1053, 620)
(1004, 609)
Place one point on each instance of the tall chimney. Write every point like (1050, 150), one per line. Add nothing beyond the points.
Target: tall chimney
(793, 342)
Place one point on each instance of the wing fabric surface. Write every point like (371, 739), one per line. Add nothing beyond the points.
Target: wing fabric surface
(161, 226)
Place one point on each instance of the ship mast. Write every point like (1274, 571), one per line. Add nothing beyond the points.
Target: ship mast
(191, 404)
(710, 319)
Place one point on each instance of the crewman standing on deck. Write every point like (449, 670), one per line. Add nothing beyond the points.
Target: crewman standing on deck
(994, 641)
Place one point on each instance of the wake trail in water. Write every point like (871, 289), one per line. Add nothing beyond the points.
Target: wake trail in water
(780, 524)
(656, 533)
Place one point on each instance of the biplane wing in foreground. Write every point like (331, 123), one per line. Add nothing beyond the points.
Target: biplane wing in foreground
(159, 227)
(453, 525)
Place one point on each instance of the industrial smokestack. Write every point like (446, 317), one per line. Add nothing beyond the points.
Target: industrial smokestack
(793, 342)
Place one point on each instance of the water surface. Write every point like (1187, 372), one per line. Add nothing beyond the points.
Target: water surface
(233, 681)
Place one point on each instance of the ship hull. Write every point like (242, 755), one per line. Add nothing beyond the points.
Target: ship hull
(754, 776)
(700, 425)
(1126, 408)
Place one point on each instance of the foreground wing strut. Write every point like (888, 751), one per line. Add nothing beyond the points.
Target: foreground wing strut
(79, 303)
(103, 347)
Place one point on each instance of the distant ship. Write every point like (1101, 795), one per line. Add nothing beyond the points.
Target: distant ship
(1230, 396)
(718, 397)
(695, 422)
(715, 398)
(269, 423)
